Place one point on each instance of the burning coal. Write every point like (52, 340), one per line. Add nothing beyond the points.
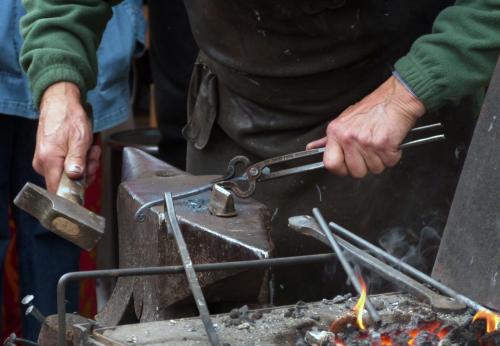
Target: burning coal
(351, 329)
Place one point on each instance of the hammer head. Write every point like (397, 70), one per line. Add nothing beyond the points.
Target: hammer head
(61, 216)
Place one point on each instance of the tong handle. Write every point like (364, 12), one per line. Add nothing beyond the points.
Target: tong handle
(245, 185)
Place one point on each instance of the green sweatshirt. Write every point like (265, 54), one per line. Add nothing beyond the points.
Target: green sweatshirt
(455, 60)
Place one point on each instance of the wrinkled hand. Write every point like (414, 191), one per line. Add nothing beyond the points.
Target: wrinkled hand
(64, 137)
(367, 135)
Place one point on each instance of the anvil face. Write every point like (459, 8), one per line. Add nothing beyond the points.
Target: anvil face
(209, 239)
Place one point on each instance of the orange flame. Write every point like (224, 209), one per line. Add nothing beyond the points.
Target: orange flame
(492, 319)
(360, 305)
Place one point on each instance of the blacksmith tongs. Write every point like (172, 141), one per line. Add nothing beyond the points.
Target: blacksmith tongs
(244, 185)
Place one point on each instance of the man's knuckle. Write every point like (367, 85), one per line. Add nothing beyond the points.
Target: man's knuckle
(393, 160)
(365, 140)
(331, 129)
(348, 137)
(332, 165)
(382, 142)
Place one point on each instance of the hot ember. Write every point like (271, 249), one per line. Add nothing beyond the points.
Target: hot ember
(421, 333)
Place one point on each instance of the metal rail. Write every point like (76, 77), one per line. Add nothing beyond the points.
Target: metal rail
(187, 263)
(147, 271)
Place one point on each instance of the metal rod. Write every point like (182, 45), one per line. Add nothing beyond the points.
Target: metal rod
(139, 214)
(417, 142)
(320, 165)
(406, 267)
(194, 284)
(345, 263)
(147, 271)
(422, 128)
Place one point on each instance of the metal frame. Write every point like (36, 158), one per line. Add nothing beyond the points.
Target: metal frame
(179, 269)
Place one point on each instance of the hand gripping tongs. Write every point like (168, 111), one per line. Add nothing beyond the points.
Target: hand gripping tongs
(244, 184)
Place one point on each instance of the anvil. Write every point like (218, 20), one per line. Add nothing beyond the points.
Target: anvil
(209, 239)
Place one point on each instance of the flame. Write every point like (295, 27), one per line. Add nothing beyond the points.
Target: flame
(492, 319)
(360, 305)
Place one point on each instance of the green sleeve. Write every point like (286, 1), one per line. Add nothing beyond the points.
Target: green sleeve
(60, 42)
(458, 57)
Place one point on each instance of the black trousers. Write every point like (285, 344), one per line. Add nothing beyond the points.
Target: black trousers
(173, 52)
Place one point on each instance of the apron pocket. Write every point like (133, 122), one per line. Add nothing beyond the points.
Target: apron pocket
(202, 106)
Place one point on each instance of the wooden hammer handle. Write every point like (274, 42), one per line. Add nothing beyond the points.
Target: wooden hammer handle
(72, 189)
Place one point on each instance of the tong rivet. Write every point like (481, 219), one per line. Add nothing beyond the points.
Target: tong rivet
(253, 171)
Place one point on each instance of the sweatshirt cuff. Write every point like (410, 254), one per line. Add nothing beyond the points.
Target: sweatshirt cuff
(54, 74)
(420, 81)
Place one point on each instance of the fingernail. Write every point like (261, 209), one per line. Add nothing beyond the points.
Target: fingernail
(75, 168)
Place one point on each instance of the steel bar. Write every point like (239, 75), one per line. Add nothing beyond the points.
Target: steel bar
(345, 263)
(406, 267)
(422, 128)
(417, 142)
(146, 271)
(187, 263)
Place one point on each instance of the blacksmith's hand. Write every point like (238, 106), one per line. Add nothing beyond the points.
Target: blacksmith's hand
(367, 135)
(64, 137)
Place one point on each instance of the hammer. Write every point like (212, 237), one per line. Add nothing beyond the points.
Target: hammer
(63, 213)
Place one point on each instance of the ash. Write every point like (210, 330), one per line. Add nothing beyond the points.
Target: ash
(298, 325)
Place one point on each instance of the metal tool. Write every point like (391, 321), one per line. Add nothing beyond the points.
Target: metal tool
(345, 264)
(306, 225)
(33, 311)
(244, 185)
(13, 340)
(221, 202)
(62, 213)
(190, 273)
(27, 299)
(406, 267)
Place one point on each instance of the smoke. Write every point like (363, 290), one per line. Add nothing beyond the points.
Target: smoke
(417, 248)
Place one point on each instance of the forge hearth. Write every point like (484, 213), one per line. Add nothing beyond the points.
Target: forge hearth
(288, 325)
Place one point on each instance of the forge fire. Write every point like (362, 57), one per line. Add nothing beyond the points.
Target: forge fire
(420, 330)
